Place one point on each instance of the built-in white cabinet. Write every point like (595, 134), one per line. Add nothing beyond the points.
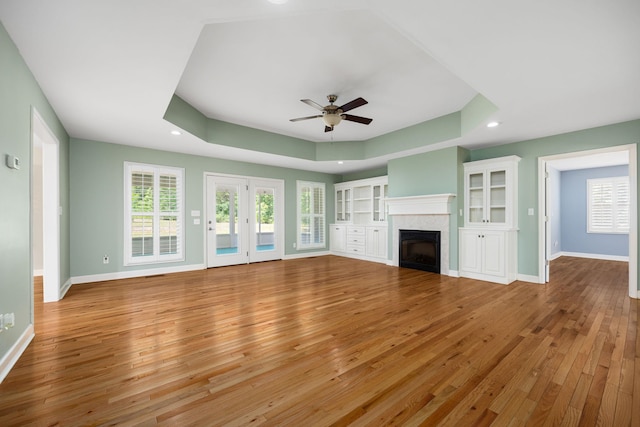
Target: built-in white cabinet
(490, 188)
(361, 229)
(356, 240)
(487, 254)
(343, 203)
(488, 242)
(376, 242)
(338, 238)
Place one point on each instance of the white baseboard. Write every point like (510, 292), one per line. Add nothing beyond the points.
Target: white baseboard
(555, 256)
(306, 255)
(65, 288)
(134, 273)
(528, 278)
(595, 256)
(453, 273)
(9, 360)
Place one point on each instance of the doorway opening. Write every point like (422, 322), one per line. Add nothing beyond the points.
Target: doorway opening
(586, 159)
(46, 223)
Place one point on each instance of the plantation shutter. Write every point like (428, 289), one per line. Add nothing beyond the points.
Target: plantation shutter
(608, 205)
(311, 215)
(154, 213)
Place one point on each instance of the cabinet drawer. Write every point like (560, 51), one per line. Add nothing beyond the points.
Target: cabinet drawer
(354, 239)
(356, 249)
(356, 230)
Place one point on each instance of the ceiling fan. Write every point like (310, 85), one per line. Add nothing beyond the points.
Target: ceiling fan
(332, 115)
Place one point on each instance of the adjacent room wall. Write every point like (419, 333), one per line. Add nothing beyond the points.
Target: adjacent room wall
(19, 93)
(574, 215)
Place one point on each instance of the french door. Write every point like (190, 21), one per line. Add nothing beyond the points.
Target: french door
(245, 220)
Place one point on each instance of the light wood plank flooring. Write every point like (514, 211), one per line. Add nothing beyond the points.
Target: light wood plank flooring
(333, 341)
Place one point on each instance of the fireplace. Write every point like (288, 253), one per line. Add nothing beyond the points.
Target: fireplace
(420, 250)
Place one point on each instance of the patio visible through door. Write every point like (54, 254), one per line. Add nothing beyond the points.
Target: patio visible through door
(244, 220)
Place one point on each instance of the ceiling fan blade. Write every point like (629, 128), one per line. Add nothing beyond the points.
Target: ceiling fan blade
(358, 102)
(357, 119)
(305, 118)
(313, 104)
(328, 128)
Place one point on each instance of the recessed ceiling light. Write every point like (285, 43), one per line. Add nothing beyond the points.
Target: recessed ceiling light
(492, 124)
(176, 132)
(340, 162)
(278, 1)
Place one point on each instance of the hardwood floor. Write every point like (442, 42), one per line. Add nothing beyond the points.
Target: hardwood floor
(333, 341)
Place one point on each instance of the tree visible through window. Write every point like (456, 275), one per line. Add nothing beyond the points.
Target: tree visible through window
(153, 213)
(608, 205)
(311, 215)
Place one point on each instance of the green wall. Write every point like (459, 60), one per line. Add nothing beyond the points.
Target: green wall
(600, 137)
(19, 93)
(97, 201)
(435, 172)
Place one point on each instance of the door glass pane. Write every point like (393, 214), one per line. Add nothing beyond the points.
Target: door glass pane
(265, 224)
(227, 219)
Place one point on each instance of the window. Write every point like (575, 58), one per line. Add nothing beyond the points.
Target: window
(608, 205)
(311, 215)
(154, 214)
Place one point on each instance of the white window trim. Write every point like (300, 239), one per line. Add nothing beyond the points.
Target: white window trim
(300, 244)
(615, 228)
(156, 170)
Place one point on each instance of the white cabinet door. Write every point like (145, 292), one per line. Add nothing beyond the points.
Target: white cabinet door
(491, 188)
(470, 251)
(338, 238)
(376, 242)
(488, 254)
(493, 252)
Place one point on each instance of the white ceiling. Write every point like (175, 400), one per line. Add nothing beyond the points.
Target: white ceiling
(110, 68)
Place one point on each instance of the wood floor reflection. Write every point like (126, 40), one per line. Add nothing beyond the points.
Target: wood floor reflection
(333, 341)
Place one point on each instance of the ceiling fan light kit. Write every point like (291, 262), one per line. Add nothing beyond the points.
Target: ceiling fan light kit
(332, 114)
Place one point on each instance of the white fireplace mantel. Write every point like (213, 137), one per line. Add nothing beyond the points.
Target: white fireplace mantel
(434, 204)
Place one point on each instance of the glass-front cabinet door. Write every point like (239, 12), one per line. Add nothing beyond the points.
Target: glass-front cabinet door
(379, 195)
(343, 204)
(497, 196)
(490, 192)
(475, 198)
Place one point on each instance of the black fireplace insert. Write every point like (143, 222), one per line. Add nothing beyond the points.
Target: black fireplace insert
(420, 250)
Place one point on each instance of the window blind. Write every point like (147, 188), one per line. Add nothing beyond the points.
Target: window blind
(608, 205)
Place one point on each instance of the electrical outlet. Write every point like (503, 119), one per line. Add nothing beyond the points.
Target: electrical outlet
(105, 259)
(1, 323)
(9, 320)
(294, 245)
